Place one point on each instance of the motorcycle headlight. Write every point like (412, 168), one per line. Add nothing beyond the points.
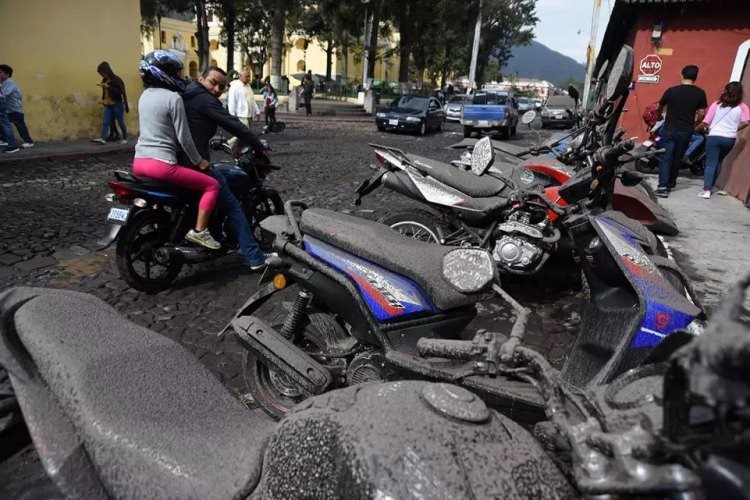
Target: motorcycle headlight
(469, 270)
(527, 177)
(380, 115)
(413, 119)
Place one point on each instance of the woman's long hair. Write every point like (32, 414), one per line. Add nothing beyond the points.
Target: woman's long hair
(104, 70)
(732, 95)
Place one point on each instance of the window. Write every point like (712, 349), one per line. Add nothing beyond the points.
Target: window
(192, 42)
(163, 36)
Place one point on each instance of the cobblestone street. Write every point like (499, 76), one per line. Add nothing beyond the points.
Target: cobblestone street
(54, 211)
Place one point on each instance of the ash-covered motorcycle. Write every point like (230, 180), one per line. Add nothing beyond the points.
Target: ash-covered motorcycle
(149, 219)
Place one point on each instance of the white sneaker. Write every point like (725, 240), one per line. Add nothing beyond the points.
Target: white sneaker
(123, 141)
(3, 144)
(203, 238)
(27, 145)
(704, 194)
(99, 140)
(721, 192)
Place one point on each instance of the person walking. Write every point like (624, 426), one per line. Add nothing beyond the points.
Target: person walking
(270, 101)
(307, 93)
(241, 100)
(115, 102)
(724, 119)
(13, 103)
(685, 106)
(7, 137)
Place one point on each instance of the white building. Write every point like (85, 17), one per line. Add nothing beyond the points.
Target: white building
(542, 88)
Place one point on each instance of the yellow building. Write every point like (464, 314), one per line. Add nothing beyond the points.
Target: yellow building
(178, 37)
(54, 48)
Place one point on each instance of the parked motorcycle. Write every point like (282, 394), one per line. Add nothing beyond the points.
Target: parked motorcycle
(117, 411)
(149, 219)
(696, 160)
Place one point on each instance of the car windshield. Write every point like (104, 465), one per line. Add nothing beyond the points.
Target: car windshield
(489, 98)
(560, 101)
(410, 102)
(458, 99)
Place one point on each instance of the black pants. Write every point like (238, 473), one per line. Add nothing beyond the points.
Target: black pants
(270, 117)
(308, 107)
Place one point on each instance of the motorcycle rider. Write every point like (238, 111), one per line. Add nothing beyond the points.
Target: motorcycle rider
(205, 114)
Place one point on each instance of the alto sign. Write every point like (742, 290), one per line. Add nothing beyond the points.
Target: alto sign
(650, 67)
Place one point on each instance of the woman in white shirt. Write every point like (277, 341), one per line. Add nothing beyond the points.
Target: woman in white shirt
(724, 119)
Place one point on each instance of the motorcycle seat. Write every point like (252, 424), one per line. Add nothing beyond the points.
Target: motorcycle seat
(420, 262)
(153, 420)
(466, 182)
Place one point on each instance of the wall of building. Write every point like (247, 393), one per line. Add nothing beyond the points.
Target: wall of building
(54, 48)
(708, 37)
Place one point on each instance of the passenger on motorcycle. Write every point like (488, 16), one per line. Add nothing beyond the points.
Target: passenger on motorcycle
(205, 114)
(164, 129)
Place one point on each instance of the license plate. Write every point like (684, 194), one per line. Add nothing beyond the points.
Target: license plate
(118, 215)
(393, 122)
(483, 123)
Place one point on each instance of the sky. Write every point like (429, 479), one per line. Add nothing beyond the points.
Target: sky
(565, 25)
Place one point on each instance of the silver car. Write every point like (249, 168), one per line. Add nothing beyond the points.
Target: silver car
(454, 106)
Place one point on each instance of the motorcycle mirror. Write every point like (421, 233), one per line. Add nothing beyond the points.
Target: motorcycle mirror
(482, 156)
(630, 178)
(621, 74)
(528, 117)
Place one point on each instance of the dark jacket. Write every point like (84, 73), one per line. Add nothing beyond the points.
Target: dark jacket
(205, 115)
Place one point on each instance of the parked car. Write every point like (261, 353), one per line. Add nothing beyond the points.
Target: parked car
(411, 113)
(454, 107)
(490, 110)
(525, 104)
(559, 111)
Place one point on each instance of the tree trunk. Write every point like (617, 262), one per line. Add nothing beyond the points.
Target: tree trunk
(345, 64)
(277, 42)
(373, 42)
(204, 57)
(329, 58)
(230, 18)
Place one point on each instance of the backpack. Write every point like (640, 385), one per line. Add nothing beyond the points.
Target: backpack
(650, 115)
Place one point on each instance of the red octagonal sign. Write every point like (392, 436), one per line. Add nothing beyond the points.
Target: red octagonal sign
(650, 65)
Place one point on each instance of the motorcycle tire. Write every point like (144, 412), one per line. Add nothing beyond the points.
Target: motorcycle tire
(264, 205)
(135, 246)
(274, 392)
(416, 224)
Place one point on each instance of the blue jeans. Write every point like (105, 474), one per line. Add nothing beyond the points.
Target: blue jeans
(6, 131)
(114, 112)
(675, 143)
(228, 204)
(717, 148)
(695, 143)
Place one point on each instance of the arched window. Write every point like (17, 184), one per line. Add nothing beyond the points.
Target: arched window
(193, 69)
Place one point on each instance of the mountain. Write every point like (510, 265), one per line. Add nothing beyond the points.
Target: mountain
(539, 61)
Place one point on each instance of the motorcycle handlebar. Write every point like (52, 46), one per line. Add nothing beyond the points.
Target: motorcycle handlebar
(610, 155)
(452, 349)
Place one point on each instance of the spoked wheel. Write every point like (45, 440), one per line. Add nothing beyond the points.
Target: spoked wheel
(415, 224)
(139, 259)
(267, 203)
(273, 390)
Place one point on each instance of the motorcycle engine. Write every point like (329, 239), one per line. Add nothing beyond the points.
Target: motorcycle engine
(519, 247)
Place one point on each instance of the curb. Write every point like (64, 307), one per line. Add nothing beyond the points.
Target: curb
(73, 154)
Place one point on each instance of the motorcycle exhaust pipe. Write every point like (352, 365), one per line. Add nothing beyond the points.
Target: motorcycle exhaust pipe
(401, 183)
(279, 352)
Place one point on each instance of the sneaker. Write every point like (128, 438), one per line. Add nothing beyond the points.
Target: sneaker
(3, 144)
(123, 141)
(662, 193)
(12, 150)
(721, 192)
(99, 140)
(671, 185)
(262, 265)
(27, 145)
(705, 194)
(203, 238)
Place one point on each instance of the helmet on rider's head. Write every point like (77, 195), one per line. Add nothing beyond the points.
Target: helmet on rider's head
(161, 68)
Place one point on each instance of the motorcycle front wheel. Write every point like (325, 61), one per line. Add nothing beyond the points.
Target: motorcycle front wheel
(136, 255)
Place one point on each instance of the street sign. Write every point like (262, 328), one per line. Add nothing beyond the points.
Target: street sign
(650, 65)
(648, 78)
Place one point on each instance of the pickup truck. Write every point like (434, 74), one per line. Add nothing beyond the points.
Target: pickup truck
(490, 110)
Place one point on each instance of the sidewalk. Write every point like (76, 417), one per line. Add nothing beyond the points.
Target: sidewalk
(713, 246)
(58, 150)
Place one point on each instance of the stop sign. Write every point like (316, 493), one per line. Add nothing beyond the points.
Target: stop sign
(650, 65)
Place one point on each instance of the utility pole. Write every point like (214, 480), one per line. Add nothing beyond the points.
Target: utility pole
(590, 52)
(475, 51)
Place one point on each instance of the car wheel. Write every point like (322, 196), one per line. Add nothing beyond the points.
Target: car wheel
(423, 128)
(513, 131)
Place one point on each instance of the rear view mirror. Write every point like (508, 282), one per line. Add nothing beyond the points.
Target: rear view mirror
(621, 74)
(482, 156)
(528, 117)
(630, 178)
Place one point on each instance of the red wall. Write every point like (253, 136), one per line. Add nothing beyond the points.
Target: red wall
(704, 36)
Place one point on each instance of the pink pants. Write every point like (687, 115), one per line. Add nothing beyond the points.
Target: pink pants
(180, 176)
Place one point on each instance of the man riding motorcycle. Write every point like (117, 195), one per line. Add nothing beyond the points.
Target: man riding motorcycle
(205, 114)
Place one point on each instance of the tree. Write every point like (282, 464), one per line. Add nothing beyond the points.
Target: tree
(153, 10)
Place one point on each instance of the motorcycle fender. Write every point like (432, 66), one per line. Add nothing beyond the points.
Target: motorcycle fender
(110, 237)
(252, 304)
(369, 185)
(635, 202)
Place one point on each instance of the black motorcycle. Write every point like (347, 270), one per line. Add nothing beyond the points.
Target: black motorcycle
(149, 219)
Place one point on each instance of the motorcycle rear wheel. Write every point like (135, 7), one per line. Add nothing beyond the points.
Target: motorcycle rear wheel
(416, 224)
(275, 392)
(147, 231)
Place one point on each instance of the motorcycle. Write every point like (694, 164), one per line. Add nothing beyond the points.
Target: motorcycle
(366, 296)
(149, 219)
(117, 411)
(696, 160)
